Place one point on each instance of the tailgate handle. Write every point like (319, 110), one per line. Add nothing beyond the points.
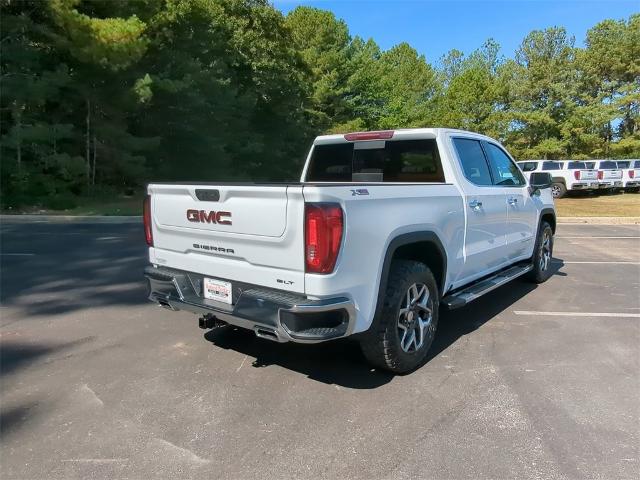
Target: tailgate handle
(208, 195)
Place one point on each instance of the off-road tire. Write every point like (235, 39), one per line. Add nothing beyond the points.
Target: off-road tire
(542, 270)
(381, 344)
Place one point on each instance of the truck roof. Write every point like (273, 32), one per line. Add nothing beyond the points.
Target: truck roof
(405, 133)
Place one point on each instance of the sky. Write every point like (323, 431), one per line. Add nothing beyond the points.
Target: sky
(433, 27)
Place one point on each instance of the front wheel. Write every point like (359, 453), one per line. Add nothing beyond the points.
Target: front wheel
(400, 338)
(542, 254)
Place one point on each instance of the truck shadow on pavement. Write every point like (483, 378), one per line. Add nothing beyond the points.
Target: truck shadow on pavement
(341, 363)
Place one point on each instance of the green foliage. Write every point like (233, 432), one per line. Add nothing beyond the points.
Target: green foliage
(101, 96)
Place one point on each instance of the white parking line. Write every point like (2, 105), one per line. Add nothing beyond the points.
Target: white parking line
(577, 314)
(598, 263)
(594, 236)
(18, 254)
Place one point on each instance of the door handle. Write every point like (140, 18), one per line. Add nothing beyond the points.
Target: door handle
(513, 201)
(475, 204)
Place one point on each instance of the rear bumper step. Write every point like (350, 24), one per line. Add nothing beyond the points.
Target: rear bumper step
(468, 294)
(271, 314)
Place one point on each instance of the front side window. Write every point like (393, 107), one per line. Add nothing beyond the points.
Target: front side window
(504, 170)
(405, 161)
(474, 164)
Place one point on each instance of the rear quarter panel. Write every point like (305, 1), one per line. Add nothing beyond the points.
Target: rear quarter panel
(372, 221)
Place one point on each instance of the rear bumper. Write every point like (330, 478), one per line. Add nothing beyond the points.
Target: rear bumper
(585, 186)
(632, 184)
(271, 314)
(610, 184)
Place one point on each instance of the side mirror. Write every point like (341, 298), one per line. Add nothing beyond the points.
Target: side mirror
(540, 180)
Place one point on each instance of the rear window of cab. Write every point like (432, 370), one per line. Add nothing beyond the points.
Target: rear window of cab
(404, 161)
(608, 165)
(576, 165)
(551, 166)
(528, 166)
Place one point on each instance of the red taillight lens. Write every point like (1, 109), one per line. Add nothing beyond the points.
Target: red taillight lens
(632, 174)
(323, 235)
(600, 174)
(379, 135)
(146, 216)
(576, 174)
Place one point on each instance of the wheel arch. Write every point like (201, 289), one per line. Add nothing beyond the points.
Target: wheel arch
(424, 246)
(548, 215)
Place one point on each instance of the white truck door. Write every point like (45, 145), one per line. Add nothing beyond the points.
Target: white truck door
(522, 209)
(485, 211)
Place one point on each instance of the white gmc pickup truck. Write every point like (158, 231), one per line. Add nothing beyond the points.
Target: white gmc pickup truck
(382, 230)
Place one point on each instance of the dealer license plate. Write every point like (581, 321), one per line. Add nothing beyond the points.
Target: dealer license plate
(217, 290)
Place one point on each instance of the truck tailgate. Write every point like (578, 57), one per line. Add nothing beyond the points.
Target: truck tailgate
(588, 175)
(611, 174)
(248, 233)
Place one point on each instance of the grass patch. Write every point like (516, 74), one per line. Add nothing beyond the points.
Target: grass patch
(620, 205)
(108, 206)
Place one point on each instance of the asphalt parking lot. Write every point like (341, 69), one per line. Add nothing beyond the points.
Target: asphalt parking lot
(528, 382)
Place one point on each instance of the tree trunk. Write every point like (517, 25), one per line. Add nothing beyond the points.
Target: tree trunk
(95, 157)
(88, 143)
(18, 118)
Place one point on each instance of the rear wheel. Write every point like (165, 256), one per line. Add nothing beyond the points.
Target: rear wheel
(400, 338)
(542, 254)
(558, 190)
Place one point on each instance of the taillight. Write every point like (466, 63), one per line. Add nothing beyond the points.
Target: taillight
(379, 135)
(323, 234)
(600, 174)
(632, 174)
(576, 174)
(146, 216)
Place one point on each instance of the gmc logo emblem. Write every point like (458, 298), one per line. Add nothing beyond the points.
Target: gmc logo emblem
(201, 216)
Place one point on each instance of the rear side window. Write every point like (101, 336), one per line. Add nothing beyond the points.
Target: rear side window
(623, 164)
(608, 165)
(528, 166)
(551, 166)
(473, 162)
(576, 166)
(405, 161)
